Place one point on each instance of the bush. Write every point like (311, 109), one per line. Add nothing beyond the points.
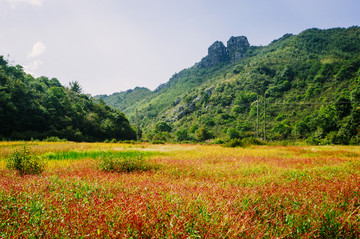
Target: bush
(124, 164)
(218, 141)
(233, 133)
(203, 134)
(162, 127)
(252, 141)
(243, 142)
(182, 135)
(234, 143)
(25, 163)
(158, 142)
(113, 141)
(54, 139)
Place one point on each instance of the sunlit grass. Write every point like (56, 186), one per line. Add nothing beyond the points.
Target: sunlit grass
(197, 191)
(76, 155)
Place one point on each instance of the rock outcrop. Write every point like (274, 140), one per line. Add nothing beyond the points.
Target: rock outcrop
(218, 53)
(237, 46)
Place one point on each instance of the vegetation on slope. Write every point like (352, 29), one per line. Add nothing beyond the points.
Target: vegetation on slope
(310, 83)
(123, 100)
(40, 107)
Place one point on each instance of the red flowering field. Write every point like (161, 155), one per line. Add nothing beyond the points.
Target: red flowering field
(183, 191)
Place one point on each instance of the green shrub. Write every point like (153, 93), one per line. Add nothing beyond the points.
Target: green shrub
(203, 134)
(113, 141)
(129, 142)
(243, 142)
(158, 142)
(163, 127)
(234, 143)
(233, 133)
(252, 141)
(54, 139)
(25, 163)
(182, 135)
(124, 164)
(218, 141)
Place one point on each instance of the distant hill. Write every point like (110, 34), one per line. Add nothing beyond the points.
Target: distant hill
(310, 83)
(38, 108)
(123, 100)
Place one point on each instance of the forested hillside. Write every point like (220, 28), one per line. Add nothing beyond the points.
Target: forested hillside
(38, 108)
(122, 100)
(299, 87)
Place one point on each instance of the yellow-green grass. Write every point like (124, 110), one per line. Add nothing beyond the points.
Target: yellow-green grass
(197, 191)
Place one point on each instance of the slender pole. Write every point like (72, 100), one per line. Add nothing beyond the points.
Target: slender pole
(264, 117)
(257, 117)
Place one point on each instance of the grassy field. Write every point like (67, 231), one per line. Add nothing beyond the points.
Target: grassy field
(192, 191)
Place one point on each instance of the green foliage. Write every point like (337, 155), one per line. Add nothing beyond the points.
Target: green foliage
(54, 139)
(237, 69)
(41, 108)
(123, 100)
(162, 126)
(237, 109)
(125, 163)
(343, 107)
(182, 135)
(245, 142)
(281, 130)
(203, 134)
(301, 130)
(193, 128)
(75, 86)
(94, 154)
(158, 142)
(233, 133)
(310, 80)
(25, 163)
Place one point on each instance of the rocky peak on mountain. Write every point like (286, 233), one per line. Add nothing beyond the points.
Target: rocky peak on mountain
(217, 49)
(218, 52)
(237, 46)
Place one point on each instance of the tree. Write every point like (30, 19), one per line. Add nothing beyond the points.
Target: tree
(301, 130)
(282, 130)
(75, 86)
(343, 107)
(162, 126)
(182, 135)
(233, 133)
(203, 134)
(39, 108)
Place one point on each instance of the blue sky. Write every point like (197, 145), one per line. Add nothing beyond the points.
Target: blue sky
(114, 45)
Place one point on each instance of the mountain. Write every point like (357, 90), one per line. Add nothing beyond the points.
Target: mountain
(38, 108)
(123, 100)
(306, 86)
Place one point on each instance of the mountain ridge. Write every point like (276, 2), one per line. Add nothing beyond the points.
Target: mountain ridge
(314, 66)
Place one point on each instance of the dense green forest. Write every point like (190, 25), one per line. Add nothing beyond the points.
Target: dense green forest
(300, 87)
(39, 108)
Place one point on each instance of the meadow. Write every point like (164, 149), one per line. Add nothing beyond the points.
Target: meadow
(190, 191)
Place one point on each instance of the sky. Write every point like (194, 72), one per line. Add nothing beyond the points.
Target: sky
(114, 45)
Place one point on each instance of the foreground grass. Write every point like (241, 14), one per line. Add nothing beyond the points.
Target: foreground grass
(197, 191)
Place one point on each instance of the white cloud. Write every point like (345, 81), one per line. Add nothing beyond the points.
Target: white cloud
(37, 3)
(32, 68)
(38, 49)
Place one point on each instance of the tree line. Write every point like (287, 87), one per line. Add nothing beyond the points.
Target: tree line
(38, 108)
